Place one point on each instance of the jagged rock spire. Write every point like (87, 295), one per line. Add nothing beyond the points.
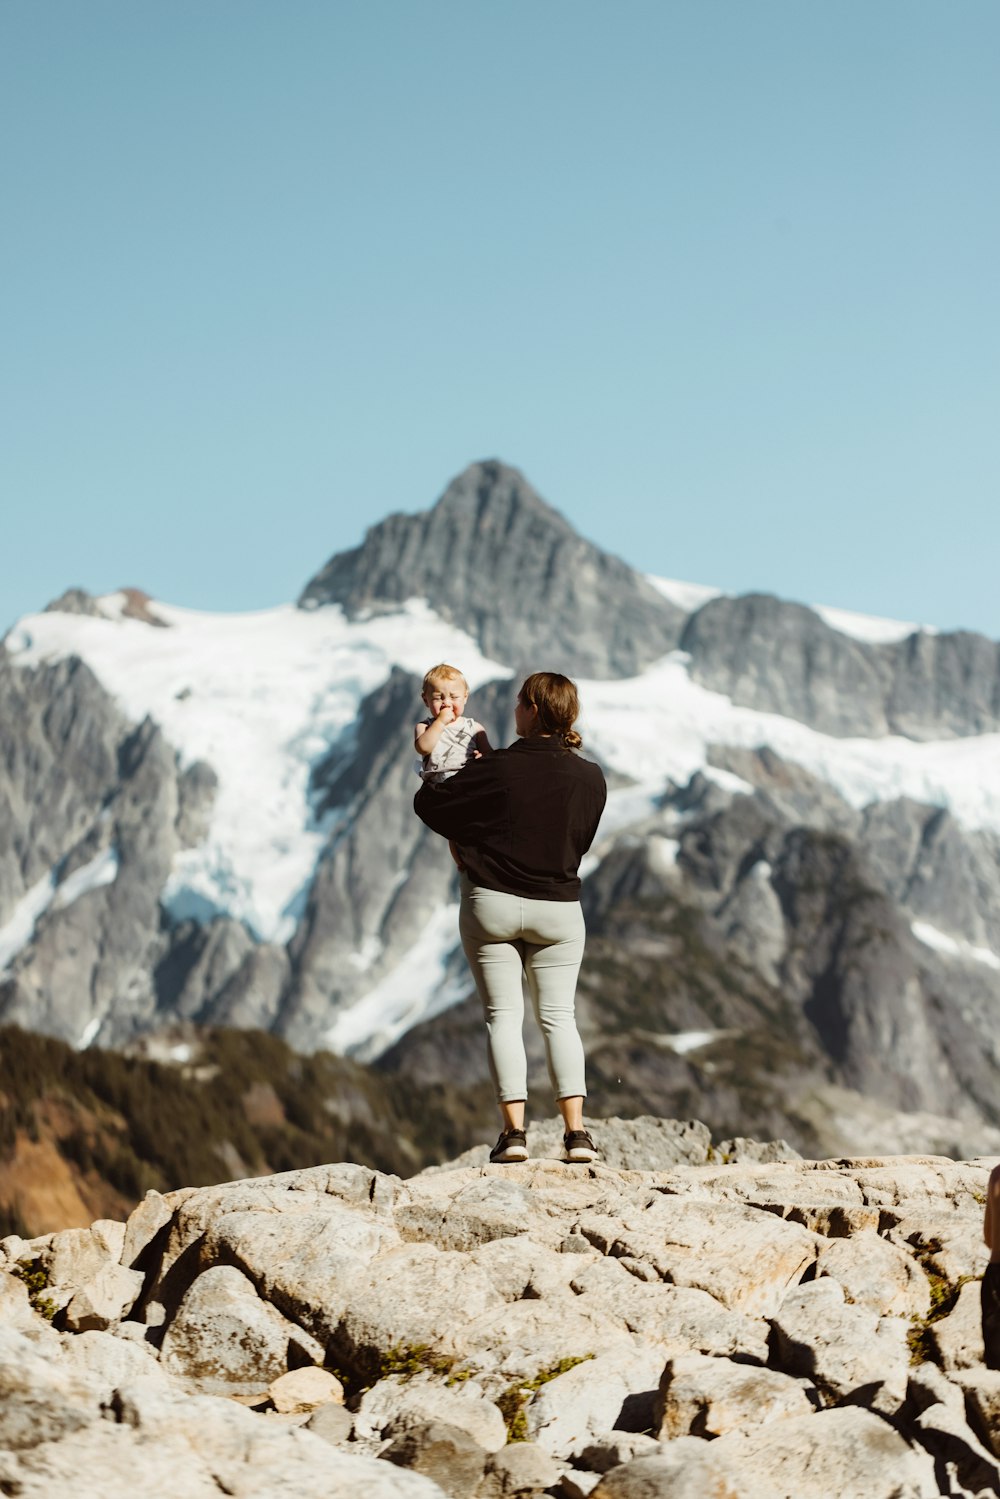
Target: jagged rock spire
(494, 557)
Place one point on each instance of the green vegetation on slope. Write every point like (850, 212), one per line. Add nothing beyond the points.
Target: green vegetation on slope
(245, 1104)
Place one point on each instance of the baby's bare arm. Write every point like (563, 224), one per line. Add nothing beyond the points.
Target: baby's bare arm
(425, 740)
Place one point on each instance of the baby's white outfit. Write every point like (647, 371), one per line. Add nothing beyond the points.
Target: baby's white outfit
(454, 749)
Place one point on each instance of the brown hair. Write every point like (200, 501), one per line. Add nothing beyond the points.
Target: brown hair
(443, 673)
(557, 702)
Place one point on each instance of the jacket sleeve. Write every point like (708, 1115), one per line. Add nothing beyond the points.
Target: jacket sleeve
(598, 801)
(469, 807)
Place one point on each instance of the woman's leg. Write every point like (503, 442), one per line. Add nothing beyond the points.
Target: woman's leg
(489, 922)
(554, 938)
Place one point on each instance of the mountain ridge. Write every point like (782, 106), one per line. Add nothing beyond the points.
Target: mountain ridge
(493, 556)
(211, 821)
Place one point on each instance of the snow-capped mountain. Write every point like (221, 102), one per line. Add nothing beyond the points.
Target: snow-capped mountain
(209, 816)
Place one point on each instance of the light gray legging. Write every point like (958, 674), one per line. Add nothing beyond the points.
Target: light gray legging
(505, 936)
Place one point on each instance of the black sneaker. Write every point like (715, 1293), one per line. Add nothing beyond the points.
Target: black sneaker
(511, 1146)
(579, 1146)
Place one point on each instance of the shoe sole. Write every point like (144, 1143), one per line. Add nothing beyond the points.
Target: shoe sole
(509, 1157)
(581, 1155)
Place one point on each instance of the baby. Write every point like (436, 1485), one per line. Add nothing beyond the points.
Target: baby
(446, 741)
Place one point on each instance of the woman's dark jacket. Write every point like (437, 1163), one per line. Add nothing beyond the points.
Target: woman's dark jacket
(523, 817)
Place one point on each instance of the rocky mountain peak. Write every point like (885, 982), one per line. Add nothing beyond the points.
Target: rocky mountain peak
(127, 603)
(494, 557)
(75, 601)
(489, 490)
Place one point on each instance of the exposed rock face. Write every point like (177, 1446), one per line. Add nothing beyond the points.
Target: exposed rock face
(493, 557)
(779, 955)
(747, 1330)
(783, 658)
(218, 975)
(75, 601)
(749, 949)
(79, 789)
(380, 876)
(59, 740)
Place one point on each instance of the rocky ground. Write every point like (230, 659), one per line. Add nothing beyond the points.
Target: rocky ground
(677, 1319)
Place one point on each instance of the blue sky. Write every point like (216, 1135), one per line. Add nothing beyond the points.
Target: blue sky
(720, 277)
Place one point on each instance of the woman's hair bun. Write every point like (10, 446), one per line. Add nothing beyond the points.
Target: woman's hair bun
(557, 702)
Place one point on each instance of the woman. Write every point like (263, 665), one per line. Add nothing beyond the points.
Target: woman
(523, 818)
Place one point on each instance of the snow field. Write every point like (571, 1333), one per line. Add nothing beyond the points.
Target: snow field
(262, 697)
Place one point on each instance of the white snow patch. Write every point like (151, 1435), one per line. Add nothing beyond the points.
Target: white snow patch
(89, 1032)
(627, 805)
(367, 954)
(953, 947)
(112, 605)
(662, 853)
(727, 781)
(101, 870)
(16, 933)
(869, 627)
(414, 990)
(687, 596)
(657, 728)
(684, 1041)
(261, 697)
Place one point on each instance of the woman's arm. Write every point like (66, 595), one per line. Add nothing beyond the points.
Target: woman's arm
(469, 806)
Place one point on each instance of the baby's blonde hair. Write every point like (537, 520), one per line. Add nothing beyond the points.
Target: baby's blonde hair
(443, 673)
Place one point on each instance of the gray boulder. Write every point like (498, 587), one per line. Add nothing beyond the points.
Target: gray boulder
(876, 1275)
(724, 1248)
(396, 1403)
(39, 1401)
(848, 1452)
(587, 1402)
(331, 1422)
(958, 1338)
(708, 1397)
(675, 1317)
(843, 1349)
(947, 1436)
(520, 1471)
(228, 1340)
(104, 1299)
(445, 1454)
